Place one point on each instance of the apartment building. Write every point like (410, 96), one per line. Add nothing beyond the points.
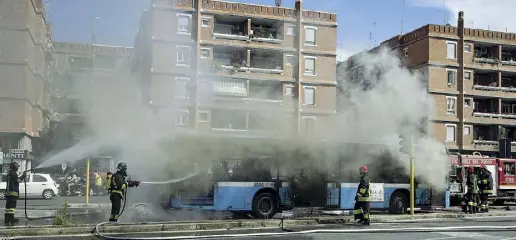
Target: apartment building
(77, 65)
(471, 74)
(239, 68)
(26, 73)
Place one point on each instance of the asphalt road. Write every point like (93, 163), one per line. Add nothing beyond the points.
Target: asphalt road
(440, 229)
(58, 201)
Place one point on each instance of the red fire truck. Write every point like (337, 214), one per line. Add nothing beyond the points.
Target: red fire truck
(502, 170)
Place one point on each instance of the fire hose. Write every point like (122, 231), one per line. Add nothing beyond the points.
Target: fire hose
(25, 199)
(136, 183)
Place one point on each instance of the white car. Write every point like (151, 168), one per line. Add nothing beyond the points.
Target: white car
(38, 186)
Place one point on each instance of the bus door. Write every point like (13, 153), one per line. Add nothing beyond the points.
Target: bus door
(333, 187)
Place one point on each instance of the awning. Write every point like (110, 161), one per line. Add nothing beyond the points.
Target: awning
(230, 87)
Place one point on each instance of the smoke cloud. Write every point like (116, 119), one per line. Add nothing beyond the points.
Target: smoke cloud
(395, 103)
(370, 120)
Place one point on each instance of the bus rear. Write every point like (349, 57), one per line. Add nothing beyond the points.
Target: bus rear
(245, 186)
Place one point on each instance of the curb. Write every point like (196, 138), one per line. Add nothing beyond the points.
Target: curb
(213, 225)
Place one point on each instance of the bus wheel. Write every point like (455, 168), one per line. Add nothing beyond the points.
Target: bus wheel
(398, 203)
(264, 206)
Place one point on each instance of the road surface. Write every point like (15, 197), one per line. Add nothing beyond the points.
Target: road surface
(58, 201)
(439, 229)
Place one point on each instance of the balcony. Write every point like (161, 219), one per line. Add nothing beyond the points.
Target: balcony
(266, 62)
(250, 123)
(228, 59)
(236, 28)
(486, 81)
(508, 82)
(486, 108)
(508, 55)
(266, 91)
(266, 31)
(229, 120)
(485, 135)
(508, 109)
(486, 53)
(232, 31)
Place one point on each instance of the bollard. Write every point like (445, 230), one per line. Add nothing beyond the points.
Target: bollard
(87, 182)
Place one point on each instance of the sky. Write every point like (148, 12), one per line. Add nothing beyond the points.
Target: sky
(362, 23)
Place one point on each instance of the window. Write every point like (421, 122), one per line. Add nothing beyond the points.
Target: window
(205, 22)
(309, 123)
(182, 118)
(451, 50)
(183, 55)
(452, 76)
(205, 53)
(450, 133)
(203, 116)
(468, 102)
(183, 23)
(309, 96)
(181, 87)
(467, 75)
(451, 105)
(310, 35)
(467, 47)
(467, 130)
(309, 66)
(405, 51)
(508, 169)
(38, 178)
(289, 91)
(289, 30)
(290, 60)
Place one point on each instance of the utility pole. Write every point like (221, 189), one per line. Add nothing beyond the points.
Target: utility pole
(92, 52)
(412, 173)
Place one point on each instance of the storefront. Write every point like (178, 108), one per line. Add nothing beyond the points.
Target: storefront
(22, 157)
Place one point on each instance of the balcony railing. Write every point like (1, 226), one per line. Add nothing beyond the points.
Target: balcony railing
(263, 34)
(494, 88)
(226, 31)
(486, 114)
(266, 65)
(486, 59)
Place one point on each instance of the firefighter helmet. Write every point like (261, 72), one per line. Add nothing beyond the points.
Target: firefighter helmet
(363, 169)
(121, 166)
(471, 169)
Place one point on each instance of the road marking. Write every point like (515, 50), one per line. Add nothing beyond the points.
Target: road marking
(469, 235)
(439, 238)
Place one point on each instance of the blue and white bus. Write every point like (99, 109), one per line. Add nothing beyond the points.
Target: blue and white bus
(389, 185)
(393, 197)
(242, 188)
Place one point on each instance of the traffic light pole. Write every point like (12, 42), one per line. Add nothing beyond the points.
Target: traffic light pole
(412, 190)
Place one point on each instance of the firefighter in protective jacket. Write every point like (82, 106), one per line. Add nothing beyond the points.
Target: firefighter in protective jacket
(12, 194)
(117, 184)
(485, 187)
(362, 204)
(472, 194)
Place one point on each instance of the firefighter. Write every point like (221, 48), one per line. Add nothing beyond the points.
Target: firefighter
(117, 185)
(472, 194)
(485, 187)
(13, 192)
(362, 205)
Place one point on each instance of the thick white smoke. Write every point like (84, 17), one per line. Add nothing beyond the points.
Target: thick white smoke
(394, 103)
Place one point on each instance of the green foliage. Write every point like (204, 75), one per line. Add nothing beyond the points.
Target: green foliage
(62, 217)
